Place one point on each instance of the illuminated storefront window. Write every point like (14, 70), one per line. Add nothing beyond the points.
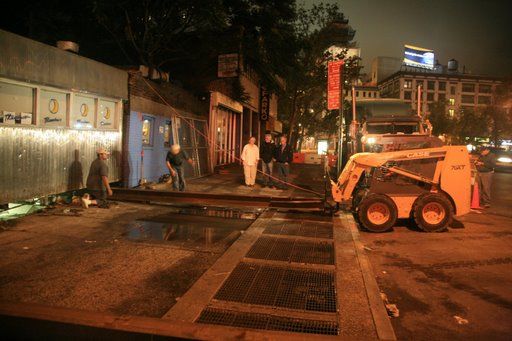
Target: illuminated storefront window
(147, 131)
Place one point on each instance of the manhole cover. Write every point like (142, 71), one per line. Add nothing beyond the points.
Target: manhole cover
(307, 290)
(267, 322)
(292, 250)
(293, 228)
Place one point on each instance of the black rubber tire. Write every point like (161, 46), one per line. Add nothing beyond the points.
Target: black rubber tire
(362, 213)
(423, 200)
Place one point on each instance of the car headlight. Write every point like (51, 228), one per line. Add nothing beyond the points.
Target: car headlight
(504, 159)
(371, 140)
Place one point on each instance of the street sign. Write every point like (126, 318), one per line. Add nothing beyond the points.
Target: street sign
(227, 65)
(334, 70)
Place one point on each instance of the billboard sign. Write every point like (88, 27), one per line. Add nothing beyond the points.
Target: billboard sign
(334, 84)
(418, 57)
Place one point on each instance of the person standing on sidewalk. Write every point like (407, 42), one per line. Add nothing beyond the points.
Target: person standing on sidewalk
(98, 186)
(250, 157)
(485, 167)
(267, 153)
(175, 162)
(283, 158)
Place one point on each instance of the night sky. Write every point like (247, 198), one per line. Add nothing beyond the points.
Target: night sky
(478, 33)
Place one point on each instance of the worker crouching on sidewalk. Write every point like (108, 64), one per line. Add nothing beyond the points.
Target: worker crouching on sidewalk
(175, 162)
(98, 186)
(283, 158)
(485, 167)
(250, 157)
(267, 154)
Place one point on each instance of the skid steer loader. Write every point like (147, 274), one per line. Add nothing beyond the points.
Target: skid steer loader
(430, 185)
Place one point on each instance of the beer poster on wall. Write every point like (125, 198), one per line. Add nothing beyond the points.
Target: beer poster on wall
(82, 113)
(106, 114)
(53, 107)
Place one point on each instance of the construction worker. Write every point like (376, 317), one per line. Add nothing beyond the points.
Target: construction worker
(485, 167)
(98, 186)
(283, 158)
(250, 157)
(267, 153)
(175, 163)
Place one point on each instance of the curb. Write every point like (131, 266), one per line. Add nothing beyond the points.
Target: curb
(381, 319)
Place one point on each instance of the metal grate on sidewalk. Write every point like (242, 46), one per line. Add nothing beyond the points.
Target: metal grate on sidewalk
(267, 322)
(297, 228)
(292, 250)
(305, 290)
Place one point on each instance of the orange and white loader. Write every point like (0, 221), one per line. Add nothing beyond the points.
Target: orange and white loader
(430, 185)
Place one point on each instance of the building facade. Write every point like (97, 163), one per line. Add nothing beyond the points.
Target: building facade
(460, 91)
(159, 115)
(363, 92)
(56, 109)
(233, 122)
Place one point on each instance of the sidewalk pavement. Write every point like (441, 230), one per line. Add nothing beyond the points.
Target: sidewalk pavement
(231, 181)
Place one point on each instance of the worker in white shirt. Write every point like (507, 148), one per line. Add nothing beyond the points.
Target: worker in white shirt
(250, 158)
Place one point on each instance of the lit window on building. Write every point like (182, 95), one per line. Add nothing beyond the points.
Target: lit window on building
(468, 87)
(168, 134)
(431, 85)
(452, 101)
(468, 99)
(147, 131)
(407, 84)
(451, 112)
(441, 86)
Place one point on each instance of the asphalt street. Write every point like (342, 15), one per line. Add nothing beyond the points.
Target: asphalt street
(450, 285)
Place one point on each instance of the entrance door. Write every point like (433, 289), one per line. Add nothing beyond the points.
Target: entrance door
(226, 136)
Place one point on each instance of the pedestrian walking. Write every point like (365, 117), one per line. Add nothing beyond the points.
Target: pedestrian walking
(250, 157)
(98, 187)
(283, 157)
(267, 154)
(485, 167)
(175, 162)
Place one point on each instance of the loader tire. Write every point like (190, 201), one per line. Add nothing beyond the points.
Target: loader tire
(433, 212)
(377, 213)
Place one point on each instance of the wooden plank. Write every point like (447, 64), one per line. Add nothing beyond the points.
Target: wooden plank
(137, 324)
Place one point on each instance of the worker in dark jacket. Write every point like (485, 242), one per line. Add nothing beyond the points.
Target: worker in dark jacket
(283, 158)
(98, 185)
(485, 167)
(267, 154)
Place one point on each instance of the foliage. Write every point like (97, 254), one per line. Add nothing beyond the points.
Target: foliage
(304, 101)
(499, 121)
(441, 121)
(468, 126)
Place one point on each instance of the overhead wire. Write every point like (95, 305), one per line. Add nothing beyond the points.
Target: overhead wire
(217, 147)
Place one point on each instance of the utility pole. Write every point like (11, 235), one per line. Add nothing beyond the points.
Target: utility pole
(341, 121)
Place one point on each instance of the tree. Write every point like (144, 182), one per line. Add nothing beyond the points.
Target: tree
(304, 101)
(441, 122)
(469, 125)
(497, 115)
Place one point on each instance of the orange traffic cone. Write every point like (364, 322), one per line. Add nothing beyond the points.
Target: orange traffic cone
(475, 200)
